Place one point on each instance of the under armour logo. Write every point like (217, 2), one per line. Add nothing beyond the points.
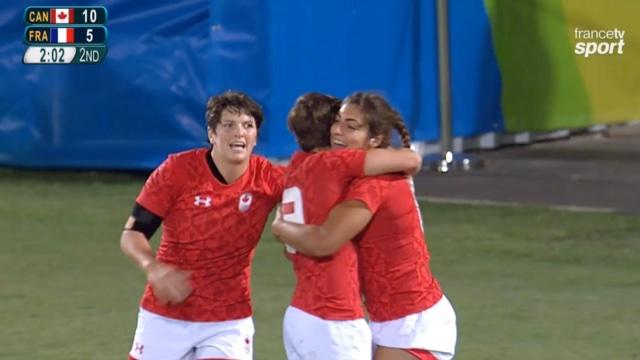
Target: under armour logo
(245, 202)
(139, 348)
(202, 201)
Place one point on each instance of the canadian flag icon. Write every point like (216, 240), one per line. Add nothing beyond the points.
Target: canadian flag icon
(61, 16)
(245, 202)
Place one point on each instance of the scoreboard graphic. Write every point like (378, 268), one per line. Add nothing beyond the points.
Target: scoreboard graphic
(70, 35)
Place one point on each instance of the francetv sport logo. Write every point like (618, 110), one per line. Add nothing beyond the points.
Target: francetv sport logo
(599, 42)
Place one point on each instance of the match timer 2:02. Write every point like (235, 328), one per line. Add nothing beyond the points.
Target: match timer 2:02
(64, 54)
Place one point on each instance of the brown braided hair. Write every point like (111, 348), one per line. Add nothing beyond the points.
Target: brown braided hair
(381, 117)
(405, 136)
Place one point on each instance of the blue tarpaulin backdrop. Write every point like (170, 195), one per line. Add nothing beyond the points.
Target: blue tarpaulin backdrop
(165, 58)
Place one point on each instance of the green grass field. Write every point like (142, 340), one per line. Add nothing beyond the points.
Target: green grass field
(527, 283)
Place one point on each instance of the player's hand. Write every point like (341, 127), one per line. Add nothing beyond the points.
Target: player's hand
(276, 222)
(170, 285)
(275, 229)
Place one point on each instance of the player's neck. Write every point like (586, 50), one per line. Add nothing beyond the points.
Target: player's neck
(230, 171)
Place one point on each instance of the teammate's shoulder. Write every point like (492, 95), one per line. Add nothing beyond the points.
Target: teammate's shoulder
(344, 158)
(347, 155)
(261, 166)
(188, 154)
(184, 158)
(296, 160)
(260, 162)
(329, 154)
(308, 160)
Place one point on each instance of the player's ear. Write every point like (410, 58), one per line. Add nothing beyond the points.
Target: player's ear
(210, 135)
(256, 138)
(375, 141)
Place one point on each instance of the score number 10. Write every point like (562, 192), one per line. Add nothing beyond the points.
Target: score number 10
(90, 16)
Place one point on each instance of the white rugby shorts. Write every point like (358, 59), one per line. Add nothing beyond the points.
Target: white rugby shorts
(433, 329)
(308, 337)
(158, 337)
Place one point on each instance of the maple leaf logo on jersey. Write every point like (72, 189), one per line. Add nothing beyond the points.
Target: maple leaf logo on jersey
(245, 202)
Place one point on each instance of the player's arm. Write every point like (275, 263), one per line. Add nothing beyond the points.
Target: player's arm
(138, 229)
(344, 222)
(136, 246)
(383, 161)
(170, 285)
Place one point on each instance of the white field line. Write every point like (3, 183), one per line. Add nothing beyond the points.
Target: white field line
(441, 200)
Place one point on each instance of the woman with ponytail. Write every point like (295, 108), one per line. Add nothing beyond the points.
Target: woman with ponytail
(410, 318)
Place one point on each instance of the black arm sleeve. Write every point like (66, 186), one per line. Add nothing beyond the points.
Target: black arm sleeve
(145, 222)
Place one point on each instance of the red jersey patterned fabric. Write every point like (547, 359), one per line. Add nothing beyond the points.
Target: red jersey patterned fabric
(211, 230)
(326, 287)
(392, 254)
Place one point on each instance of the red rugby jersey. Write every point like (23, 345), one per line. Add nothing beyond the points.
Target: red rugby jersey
(326, 287)
(210, 229)
(392, 253)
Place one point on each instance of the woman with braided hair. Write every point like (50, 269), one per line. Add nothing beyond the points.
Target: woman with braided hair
(410, 318)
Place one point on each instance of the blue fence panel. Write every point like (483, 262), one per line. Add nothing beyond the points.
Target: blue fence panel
(148, 97)
(475, 76)
(145, 100)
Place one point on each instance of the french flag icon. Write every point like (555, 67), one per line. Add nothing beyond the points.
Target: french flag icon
(62, 35)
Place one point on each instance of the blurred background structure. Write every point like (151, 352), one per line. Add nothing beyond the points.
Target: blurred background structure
(515, 76)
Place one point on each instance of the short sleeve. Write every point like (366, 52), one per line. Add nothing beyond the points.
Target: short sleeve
(159, 191)
(273, 178)
(369, 190)
(277, 180)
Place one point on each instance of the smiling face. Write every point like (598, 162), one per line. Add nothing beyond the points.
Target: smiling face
(350, 130)
(234, 137)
